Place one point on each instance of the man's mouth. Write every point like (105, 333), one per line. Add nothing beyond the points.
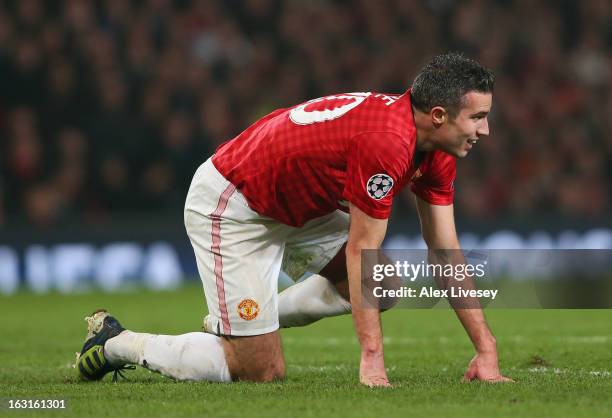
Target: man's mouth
(472, 141)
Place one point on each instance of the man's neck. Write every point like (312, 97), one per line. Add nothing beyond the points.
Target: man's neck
(424, 132)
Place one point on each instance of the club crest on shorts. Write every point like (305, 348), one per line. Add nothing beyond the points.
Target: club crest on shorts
(248, 309)
(379, 186)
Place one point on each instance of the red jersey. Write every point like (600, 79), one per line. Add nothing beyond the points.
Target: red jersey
(306, 161)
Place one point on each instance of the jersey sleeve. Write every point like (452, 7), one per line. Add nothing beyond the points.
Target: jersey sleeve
(376, 165)
(436, 185)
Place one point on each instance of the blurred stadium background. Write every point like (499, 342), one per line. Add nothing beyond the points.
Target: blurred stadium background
(108, 107)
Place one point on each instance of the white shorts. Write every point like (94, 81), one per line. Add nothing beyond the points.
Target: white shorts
(240, 253)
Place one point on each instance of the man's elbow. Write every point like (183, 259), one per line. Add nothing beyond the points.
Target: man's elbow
(354, 248)
(428, 241)
(434, 243)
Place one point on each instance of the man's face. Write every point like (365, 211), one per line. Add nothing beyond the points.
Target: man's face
(456, 136)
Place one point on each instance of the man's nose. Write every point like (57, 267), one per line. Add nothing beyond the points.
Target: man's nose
(483, 129)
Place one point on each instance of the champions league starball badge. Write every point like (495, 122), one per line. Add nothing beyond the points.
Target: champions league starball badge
(379, 186)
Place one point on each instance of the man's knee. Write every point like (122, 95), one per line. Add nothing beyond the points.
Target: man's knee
(274, 371)
(256, 358)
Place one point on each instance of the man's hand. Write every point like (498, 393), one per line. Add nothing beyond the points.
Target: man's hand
(484, 366)
(372, 371)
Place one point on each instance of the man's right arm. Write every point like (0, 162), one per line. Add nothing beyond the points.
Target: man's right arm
(365, 232)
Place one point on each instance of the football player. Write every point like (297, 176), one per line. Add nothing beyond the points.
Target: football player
(307, 188)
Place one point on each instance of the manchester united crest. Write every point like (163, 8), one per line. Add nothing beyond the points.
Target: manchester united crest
(248, 309)
(417, 174)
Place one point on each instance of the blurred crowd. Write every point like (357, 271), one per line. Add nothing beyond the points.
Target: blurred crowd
(108, 107)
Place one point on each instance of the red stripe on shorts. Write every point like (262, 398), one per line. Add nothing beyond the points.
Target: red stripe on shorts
(216, 250)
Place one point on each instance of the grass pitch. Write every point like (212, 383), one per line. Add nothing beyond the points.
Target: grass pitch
(562, 361)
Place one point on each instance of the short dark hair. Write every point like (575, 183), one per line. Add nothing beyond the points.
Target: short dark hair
(446, 79)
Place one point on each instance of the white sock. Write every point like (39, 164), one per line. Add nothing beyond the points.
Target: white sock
(192, 356)
(308, 301)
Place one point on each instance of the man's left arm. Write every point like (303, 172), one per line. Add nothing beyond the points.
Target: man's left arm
(438, 228)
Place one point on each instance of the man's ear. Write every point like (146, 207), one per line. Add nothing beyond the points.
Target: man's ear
(439, 116)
